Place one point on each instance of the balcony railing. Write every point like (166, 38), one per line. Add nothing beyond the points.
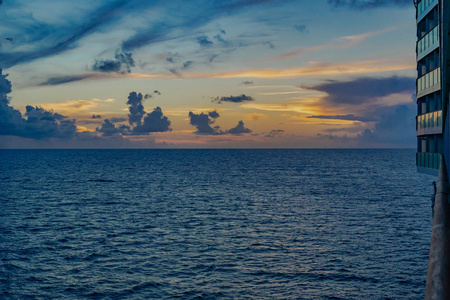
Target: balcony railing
(429, 82)
(429, 120)
(428, 42)
(428, 160)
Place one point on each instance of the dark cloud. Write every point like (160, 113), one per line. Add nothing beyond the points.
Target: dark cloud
(38, 124)
(233, 99)
(65, 79)
(300, 28)
(117, 120)
(187, 64)
(109, 128)
(203, 41)
(203, 124)
(239, 129)
(247, 82)
(204, 121)
(45, 39)
(348, 117)
(364, 90)
(275, 133)
(96, 116)
(109, 65)
(213, 57)
(153, 122)
(136, 109)
(395, 129)
(213, 114)
(369, 4)
(68, 35)
(150, 95)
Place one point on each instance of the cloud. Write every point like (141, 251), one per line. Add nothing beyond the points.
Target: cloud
(234, 99)
(275, 133)
(238, 130)
(315, 69)
(153, 122)
(395, 129)
(65, 79)
(247, 82)
(38, 124)
(108, 65)
(64, 37)
(109, 128)
(364, 90)
(187, 64)
(96, 116)
(300, 28)
(117, 120)
(203, 41)
(213, 114)
(203, 124)
(348, 117)
(368, 4)
(195, 18)
(136, 108)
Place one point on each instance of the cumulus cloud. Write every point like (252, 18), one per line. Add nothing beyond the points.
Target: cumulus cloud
(396, 129)
(203, 122)
(239, 129)
(38, 124)
(136, 108)
(153, 122)
(96, 116)
(108, 65)
(234, 99)
(109, 128)
(368, 4)
(348, 117)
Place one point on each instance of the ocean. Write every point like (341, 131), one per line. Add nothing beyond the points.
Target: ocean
(213, 224)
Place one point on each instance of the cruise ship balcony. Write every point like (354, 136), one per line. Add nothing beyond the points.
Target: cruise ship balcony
(429, 83)
(429, 123)
(428, 163)
(428, 43)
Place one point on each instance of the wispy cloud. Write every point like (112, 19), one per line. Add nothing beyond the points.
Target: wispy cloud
(344, 42)
(368, 4)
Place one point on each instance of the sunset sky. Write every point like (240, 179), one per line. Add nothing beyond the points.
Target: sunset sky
(207, 74)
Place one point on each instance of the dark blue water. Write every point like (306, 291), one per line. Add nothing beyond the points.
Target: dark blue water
(213, 224)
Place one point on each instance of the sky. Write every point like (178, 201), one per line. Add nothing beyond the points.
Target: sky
(207, 74)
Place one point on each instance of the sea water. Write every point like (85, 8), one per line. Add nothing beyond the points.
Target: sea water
(213, 224)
